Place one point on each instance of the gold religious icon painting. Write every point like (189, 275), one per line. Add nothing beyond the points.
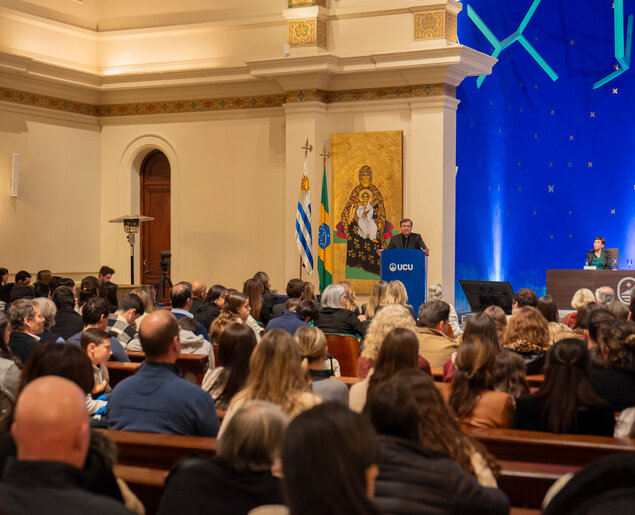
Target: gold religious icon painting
(367, 202)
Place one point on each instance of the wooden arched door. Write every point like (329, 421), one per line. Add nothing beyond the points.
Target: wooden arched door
(155, 202)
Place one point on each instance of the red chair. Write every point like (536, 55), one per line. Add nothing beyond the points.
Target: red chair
(345, 349)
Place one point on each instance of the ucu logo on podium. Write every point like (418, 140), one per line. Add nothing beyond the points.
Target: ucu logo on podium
(394, 267)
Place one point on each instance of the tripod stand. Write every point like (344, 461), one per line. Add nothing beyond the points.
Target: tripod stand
(163, 282)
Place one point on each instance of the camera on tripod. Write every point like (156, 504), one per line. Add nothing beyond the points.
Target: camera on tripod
(165, 262)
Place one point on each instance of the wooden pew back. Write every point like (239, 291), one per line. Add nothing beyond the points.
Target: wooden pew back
(193, 366)
(346, 350)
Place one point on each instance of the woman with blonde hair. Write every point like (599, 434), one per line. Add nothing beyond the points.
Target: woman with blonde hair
(386, 319)
(314, 349)
(580, 298)
(349, 296)
(396, 294)
(527, 334)
(148, 304)
(276, 376)
(376, 296)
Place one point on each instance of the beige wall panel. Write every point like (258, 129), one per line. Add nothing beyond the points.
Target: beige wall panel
(54, 222)
(227, 195)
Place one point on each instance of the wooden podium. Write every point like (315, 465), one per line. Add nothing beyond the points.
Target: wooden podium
(562, 284)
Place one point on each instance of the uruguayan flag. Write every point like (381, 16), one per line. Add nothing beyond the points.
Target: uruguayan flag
(303, 222)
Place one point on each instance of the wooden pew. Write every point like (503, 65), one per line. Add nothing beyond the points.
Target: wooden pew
(118, 371)
(146, 483)
(193, 366)
(531, 461)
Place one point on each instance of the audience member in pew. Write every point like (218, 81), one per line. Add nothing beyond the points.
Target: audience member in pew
(335, 318)
(48, 310)
(26, 322)
(5, 286)
(44, 276)
(396, 294)
(349, 297)
(9, 373)
(21, 291)
(269, 298)
(432, 330)
(109, 291)
(499, 318)
(235, 346)
(435, 292)
(192, 343)
(385, 320)
(604, 296)
(618, 309)
(480, 325)
(147, 295)
(181, 298)
(313, 347)
(235, 309)
(122, 323)
(207, 312)
(105, 274)
(525, 297)
(294, 290)
(566, 402)
(412, 477)
(548, 308)
(615, 384)
(67, 321)
(275, 375)
(580, 298)
(308, 293)
(329, 462)
(95, 316)
(297, 314)
(253, 289)
(471, 394)
(398, 351)
(239, 478)
(156, 399)
(509, 375)
(52, 436)
(41, 289)
(527, 334)
(376, 296)
(89, 288)
(96, 344)
(594, 320)
(582, 317)
(199, 291)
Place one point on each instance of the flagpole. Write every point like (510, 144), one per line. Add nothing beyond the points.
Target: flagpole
(307, 250)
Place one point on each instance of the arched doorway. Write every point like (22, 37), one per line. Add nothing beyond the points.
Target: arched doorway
(155, 202)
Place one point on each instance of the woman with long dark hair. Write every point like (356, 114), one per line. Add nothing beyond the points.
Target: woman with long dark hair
(207, 312)
(269, 298)
(235, 345)
(253, 289)
(566, 402)
(236, 308)
(337, 447)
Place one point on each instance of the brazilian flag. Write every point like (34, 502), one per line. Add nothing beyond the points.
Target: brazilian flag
(325, 260)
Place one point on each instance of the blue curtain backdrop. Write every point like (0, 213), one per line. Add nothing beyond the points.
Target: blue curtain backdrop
(544, 166)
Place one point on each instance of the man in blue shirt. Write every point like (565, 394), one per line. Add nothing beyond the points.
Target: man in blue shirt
(156, 399)
(181, 298)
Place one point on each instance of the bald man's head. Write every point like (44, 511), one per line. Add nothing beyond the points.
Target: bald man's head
(51, 422)
(157, 334)
(199, 289)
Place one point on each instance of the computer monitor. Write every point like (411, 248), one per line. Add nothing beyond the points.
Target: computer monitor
(481, 294)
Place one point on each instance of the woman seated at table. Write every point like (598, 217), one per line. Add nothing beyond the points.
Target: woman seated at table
(599, 257)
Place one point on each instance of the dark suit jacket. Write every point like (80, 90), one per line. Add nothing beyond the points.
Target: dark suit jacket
(68, 323)
(22, 345)
(414, 242)
(606, 258)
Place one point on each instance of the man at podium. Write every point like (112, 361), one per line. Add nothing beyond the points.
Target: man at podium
(407, 239)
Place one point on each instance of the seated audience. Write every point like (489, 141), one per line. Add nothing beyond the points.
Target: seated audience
(582, 318)
(398, 351)
(275, 375)
(269, 298)
(509, 375)
(615, 384)
(296, 315)
(435, 292)
(339, 447)
(105, 274)
(314, 349)
(146, 294)
(41, 289)
(5, 286)
(95, 316)
(44, 276)
(23, 277)
(89, 288)
(207, 312)
(181, 298)
(67, 321)
(21, 291)
(235, 346)
(235, 309)
(26, 322)
(309, 292)
(527, 334)
(48, 311)
(566, 402)
(376, 296)
(156, 399)
(349, 297)
(122, 323)
(191, 343)
(499, 318)
(52, 436)
(432, 330)
(96, 344)
(412, 477)
(396, 294)
(199, 291)
(239, 478)
(109, 291)
(580, 298)
(525, 297)
(385, 320)
(471, 394)
(253, 289)
(593, 321)
(548, 308)
(604, 296)
(294, 290)
(334, 317)
(9, 373)
(618, 309)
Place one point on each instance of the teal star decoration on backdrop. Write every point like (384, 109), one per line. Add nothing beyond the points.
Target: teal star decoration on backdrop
(551, 188)
(622, 49)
